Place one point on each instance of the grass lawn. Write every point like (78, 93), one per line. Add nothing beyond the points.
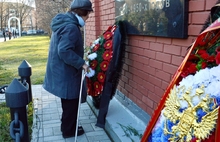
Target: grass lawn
(5, 119)
(33, 49)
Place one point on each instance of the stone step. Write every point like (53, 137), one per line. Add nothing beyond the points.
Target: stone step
(122, 115)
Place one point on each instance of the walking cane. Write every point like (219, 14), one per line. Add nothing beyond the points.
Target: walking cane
(80, 94)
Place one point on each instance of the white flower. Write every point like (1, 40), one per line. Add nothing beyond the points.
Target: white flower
(94, 43)
(87, 62)
(91, 73)
(187, 82)
(202, 76)
(160, 121)
(92, 56)
(215, 72)
(213, 88)
(92, 46)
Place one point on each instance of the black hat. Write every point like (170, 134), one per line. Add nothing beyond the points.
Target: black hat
(81, 4)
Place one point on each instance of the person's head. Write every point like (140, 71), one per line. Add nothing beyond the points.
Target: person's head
(82, 8)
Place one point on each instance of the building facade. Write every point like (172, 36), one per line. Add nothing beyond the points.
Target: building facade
(151, 61)
(23, 10)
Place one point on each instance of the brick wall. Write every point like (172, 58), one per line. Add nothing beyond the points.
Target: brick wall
(150, 61)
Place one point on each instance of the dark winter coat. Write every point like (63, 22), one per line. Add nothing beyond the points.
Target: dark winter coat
(65, 59)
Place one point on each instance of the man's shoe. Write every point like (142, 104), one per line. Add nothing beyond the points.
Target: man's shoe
(79, 133)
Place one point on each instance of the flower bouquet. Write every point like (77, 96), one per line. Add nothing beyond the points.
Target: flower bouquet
(189, 109)
(106, 58)
(99, 57)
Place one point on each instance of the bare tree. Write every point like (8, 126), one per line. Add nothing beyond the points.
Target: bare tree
(20, 9)
(2, 13)
(24, 10)
(46, 10)
(41, 16)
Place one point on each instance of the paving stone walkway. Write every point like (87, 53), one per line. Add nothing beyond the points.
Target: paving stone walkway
(47, 122)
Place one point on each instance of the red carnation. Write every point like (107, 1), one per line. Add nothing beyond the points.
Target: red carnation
(96, 47)
(107, 35)
(107, 55)
(109, 28)
(218, 49)
(93, 64)
(193, 57)
(101, 77)
(89, 82)
(90, 89)
(217, 58)
(184, 74)
(185, 71)
(202, 40)
(205, 55)
(108, 44)
(204, 65)
(91, 92)
(201, 51)
(104, 65)
(192, 68)
(98, 87)
(211, 59)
